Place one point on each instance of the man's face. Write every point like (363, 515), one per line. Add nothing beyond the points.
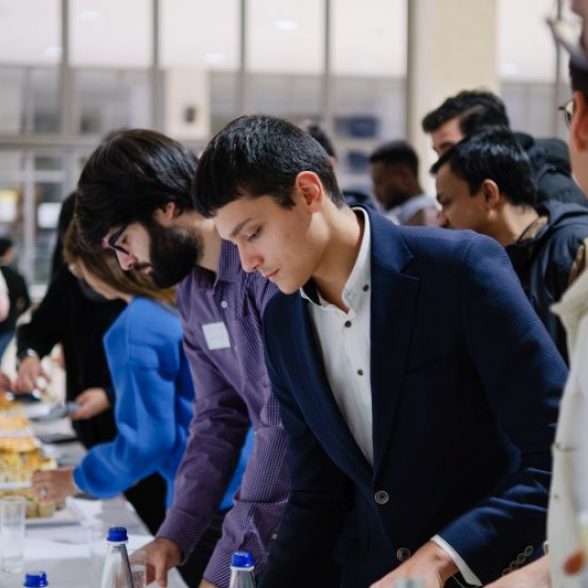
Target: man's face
(459, 209)
(167, 254)
(389, 181)
(446, 136)
(283, 245)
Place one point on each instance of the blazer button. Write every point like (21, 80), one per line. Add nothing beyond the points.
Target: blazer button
(403, 553)
(381, 497)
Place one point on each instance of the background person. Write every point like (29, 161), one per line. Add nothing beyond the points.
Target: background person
(470, 111)
(18, 293)
(485, 183)
(394, 168)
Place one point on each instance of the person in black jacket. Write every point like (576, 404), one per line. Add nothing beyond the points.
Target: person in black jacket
(485, 183)
(18, 293)
(75, 316)
(470, 111)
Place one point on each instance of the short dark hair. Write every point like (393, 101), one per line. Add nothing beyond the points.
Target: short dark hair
(6, 245)
(492, 154)
(261, 155)
(579, 79)
(397, 152)
(131, 174)
(476, 109)
(320, 136)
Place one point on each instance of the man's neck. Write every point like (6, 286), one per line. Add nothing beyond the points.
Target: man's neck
(205, 230)
(346, 232)
(516, 219)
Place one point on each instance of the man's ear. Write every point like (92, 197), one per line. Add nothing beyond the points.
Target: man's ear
(579, 126)
(165, 213)
(310, 188)
(491, 193)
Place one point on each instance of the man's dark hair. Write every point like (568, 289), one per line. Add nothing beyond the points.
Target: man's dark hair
(476, 109)
(130, 175)
(579, 79)
(397, 152)
(6, 245)
(492, 154)
(320, 136)
(260, 155)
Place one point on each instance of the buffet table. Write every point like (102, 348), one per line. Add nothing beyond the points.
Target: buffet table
(60, 545)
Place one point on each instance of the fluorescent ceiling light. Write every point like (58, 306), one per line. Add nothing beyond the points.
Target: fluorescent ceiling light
(53, 52)
(90, 15)
(509, 68)
(286, 24)
(214, 57)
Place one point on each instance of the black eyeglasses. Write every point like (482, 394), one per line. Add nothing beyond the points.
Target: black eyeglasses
(111, 241)
(568, 110)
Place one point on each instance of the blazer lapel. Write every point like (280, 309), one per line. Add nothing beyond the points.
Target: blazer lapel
(393, 304)
(334, 432)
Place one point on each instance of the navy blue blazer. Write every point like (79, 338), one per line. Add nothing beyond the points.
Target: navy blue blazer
(465, 392)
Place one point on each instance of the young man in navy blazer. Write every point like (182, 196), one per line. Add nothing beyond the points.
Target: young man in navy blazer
(418, 388)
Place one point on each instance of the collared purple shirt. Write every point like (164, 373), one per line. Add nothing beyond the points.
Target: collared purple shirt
(221, 318)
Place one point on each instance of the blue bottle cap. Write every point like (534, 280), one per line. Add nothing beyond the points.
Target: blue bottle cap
(117, 535)
(242, 559)
(35, 580)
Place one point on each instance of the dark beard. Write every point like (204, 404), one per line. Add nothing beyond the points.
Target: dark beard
(174, 253)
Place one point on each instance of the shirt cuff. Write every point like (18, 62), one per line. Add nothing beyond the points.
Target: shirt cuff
(462, 566)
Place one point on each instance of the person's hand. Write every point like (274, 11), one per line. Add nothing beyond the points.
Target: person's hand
(29, 371)
(161, 555)
(206, 584)
(5, 383)
(533, 575)
(91, 402)
(431, 563)
(575, 563)
(54, 485)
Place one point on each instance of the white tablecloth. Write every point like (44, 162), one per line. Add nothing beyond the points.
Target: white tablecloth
(60, 546)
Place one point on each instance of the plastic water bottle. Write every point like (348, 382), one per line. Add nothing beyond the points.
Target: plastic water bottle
(117, 570)
(35, 580)
(242, 566)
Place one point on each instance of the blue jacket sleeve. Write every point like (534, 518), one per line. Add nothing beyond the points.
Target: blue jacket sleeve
(145, 415)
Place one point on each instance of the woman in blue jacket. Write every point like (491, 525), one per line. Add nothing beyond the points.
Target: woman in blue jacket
(152, 384)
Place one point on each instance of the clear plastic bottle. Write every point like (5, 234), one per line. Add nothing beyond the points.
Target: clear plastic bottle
(35, 580)
(117, 570)
(242, 566)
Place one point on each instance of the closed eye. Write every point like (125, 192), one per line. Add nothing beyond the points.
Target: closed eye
(254, 235)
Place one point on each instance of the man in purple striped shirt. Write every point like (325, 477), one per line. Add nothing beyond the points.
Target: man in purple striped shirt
(135, 199)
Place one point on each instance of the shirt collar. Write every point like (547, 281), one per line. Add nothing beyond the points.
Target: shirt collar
(360, 274)
(229, 266)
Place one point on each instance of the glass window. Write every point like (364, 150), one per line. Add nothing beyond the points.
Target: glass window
(368, 56)
(285, 36)
(200, 34)
(29, 70)
(106, 99)
(111, 33)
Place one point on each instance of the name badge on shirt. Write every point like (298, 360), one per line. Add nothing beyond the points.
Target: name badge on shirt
(216, 335)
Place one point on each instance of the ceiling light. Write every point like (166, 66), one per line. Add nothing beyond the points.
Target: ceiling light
(286, 24)
(53, 52)
(214, 57)
(90, 15)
